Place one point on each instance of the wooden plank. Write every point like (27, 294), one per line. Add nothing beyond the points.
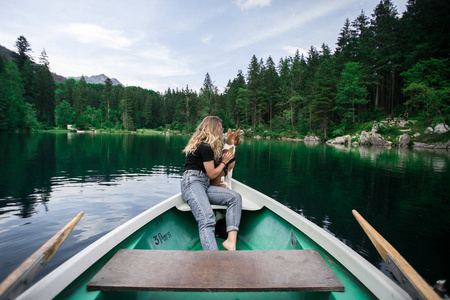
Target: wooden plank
(384, 248)
(216, 271)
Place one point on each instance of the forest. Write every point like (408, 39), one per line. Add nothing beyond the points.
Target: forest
(383, 64)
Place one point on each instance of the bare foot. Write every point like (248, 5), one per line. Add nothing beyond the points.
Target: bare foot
(230, 246)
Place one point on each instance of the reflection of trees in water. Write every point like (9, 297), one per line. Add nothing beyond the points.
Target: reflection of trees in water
(26, 173)
(33, 163)
(401, 192)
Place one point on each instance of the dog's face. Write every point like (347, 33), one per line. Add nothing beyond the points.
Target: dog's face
(233, 138)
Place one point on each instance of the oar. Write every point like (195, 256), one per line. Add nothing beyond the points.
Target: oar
(18, 280)
(408, 278)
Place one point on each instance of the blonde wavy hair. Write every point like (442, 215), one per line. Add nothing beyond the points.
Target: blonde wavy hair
(210, 131)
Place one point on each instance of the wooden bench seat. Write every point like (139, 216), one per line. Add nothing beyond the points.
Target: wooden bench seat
(217, 271)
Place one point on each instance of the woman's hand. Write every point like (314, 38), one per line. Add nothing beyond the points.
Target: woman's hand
(212, 171)
(226, 157)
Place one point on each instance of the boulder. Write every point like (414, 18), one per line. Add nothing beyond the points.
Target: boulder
(377, 140)
(440, 146)
(422, 145)
(404, 141)
(441, 128)
(342, 140)
(311, 139)
(375, 128)
(429, 130)
(364, 138)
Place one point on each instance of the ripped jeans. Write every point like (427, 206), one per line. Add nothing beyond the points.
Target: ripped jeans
(197, 192)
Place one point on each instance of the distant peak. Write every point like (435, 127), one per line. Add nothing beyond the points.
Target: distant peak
(98, 79)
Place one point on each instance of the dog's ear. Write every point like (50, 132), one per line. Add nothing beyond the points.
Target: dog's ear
(238, 131)
(229, 131)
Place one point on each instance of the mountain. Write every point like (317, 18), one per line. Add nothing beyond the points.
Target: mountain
(8, 54)
(98, 79)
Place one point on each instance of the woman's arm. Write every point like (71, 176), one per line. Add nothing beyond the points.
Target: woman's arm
(214, 172)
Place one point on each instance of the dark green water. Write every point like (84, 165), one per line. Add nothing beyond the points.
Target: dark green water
(46, 179)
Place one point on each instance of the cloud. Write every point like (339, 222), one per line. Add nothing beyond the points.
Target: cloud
(266, 30)
(206, 39)
(94, 34)
(158, 62)
(249, 4)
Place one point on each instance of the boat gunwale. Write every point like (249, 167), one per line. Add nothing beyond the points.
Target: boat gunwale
(57, 280)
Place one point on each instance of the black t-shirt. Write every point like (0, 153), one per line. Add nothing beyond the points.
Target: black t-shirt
(194, 161)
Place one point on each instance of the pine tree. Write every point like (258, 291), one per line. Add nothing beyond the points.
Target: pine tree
(45, 91)
(271, 88)
(23, 49)
(11, 97)
(208, 94)
(127, 111)
(81, 98)
(352, 92)
(64, 114)
(254, 84)
(428, 86)
(232, 94)
(385, 29)
(324, 90)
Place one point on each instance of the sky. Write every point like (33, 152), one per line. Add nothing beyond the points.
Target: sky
(161, 44)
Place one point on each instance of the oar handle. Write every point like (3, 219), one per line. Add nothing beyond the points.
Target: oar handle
(404, 272)
(18, 280)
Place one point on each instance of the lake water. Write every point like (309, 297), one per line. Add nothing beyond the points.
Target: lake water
(47, 178)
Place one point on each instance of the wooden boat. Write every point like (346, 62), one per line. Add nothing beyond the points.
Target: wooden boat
(281, 255)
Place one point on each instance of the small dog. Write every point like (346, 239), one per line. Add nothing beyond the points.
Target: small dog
(231, 142)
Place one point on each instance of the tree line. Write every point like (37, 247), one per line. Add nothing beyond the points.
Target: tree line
(383, 65)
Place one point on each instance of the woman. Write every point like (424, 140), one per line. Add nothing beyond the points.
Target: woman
(204, 147)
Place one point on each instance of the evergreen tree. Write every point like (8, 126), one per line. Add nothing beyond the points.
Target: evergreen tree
(127, 111)
(208, 94)
(324, 90)
(64, 114)
(29, 82)
(385, 29)
(254, 85)
(271, 88)
(23, 49)
(45, 91)
(428, 86)
(426, 30)
(80, 99)
(106, 97)
(343, 50)
(244, 107)
(352, 93)
(11, 97)
(232, 94)
(287, 107)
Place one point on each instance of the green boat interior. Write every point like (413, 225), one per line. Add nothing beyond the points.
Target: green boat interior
(262, 230)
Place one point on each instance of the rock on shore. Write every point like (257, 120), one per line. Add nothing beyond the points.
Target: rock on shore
(373, 138)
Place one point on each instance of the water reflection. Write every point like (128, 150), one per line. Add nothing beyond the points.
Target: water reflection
(401, 192)
(47, 178)
(34, 164)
